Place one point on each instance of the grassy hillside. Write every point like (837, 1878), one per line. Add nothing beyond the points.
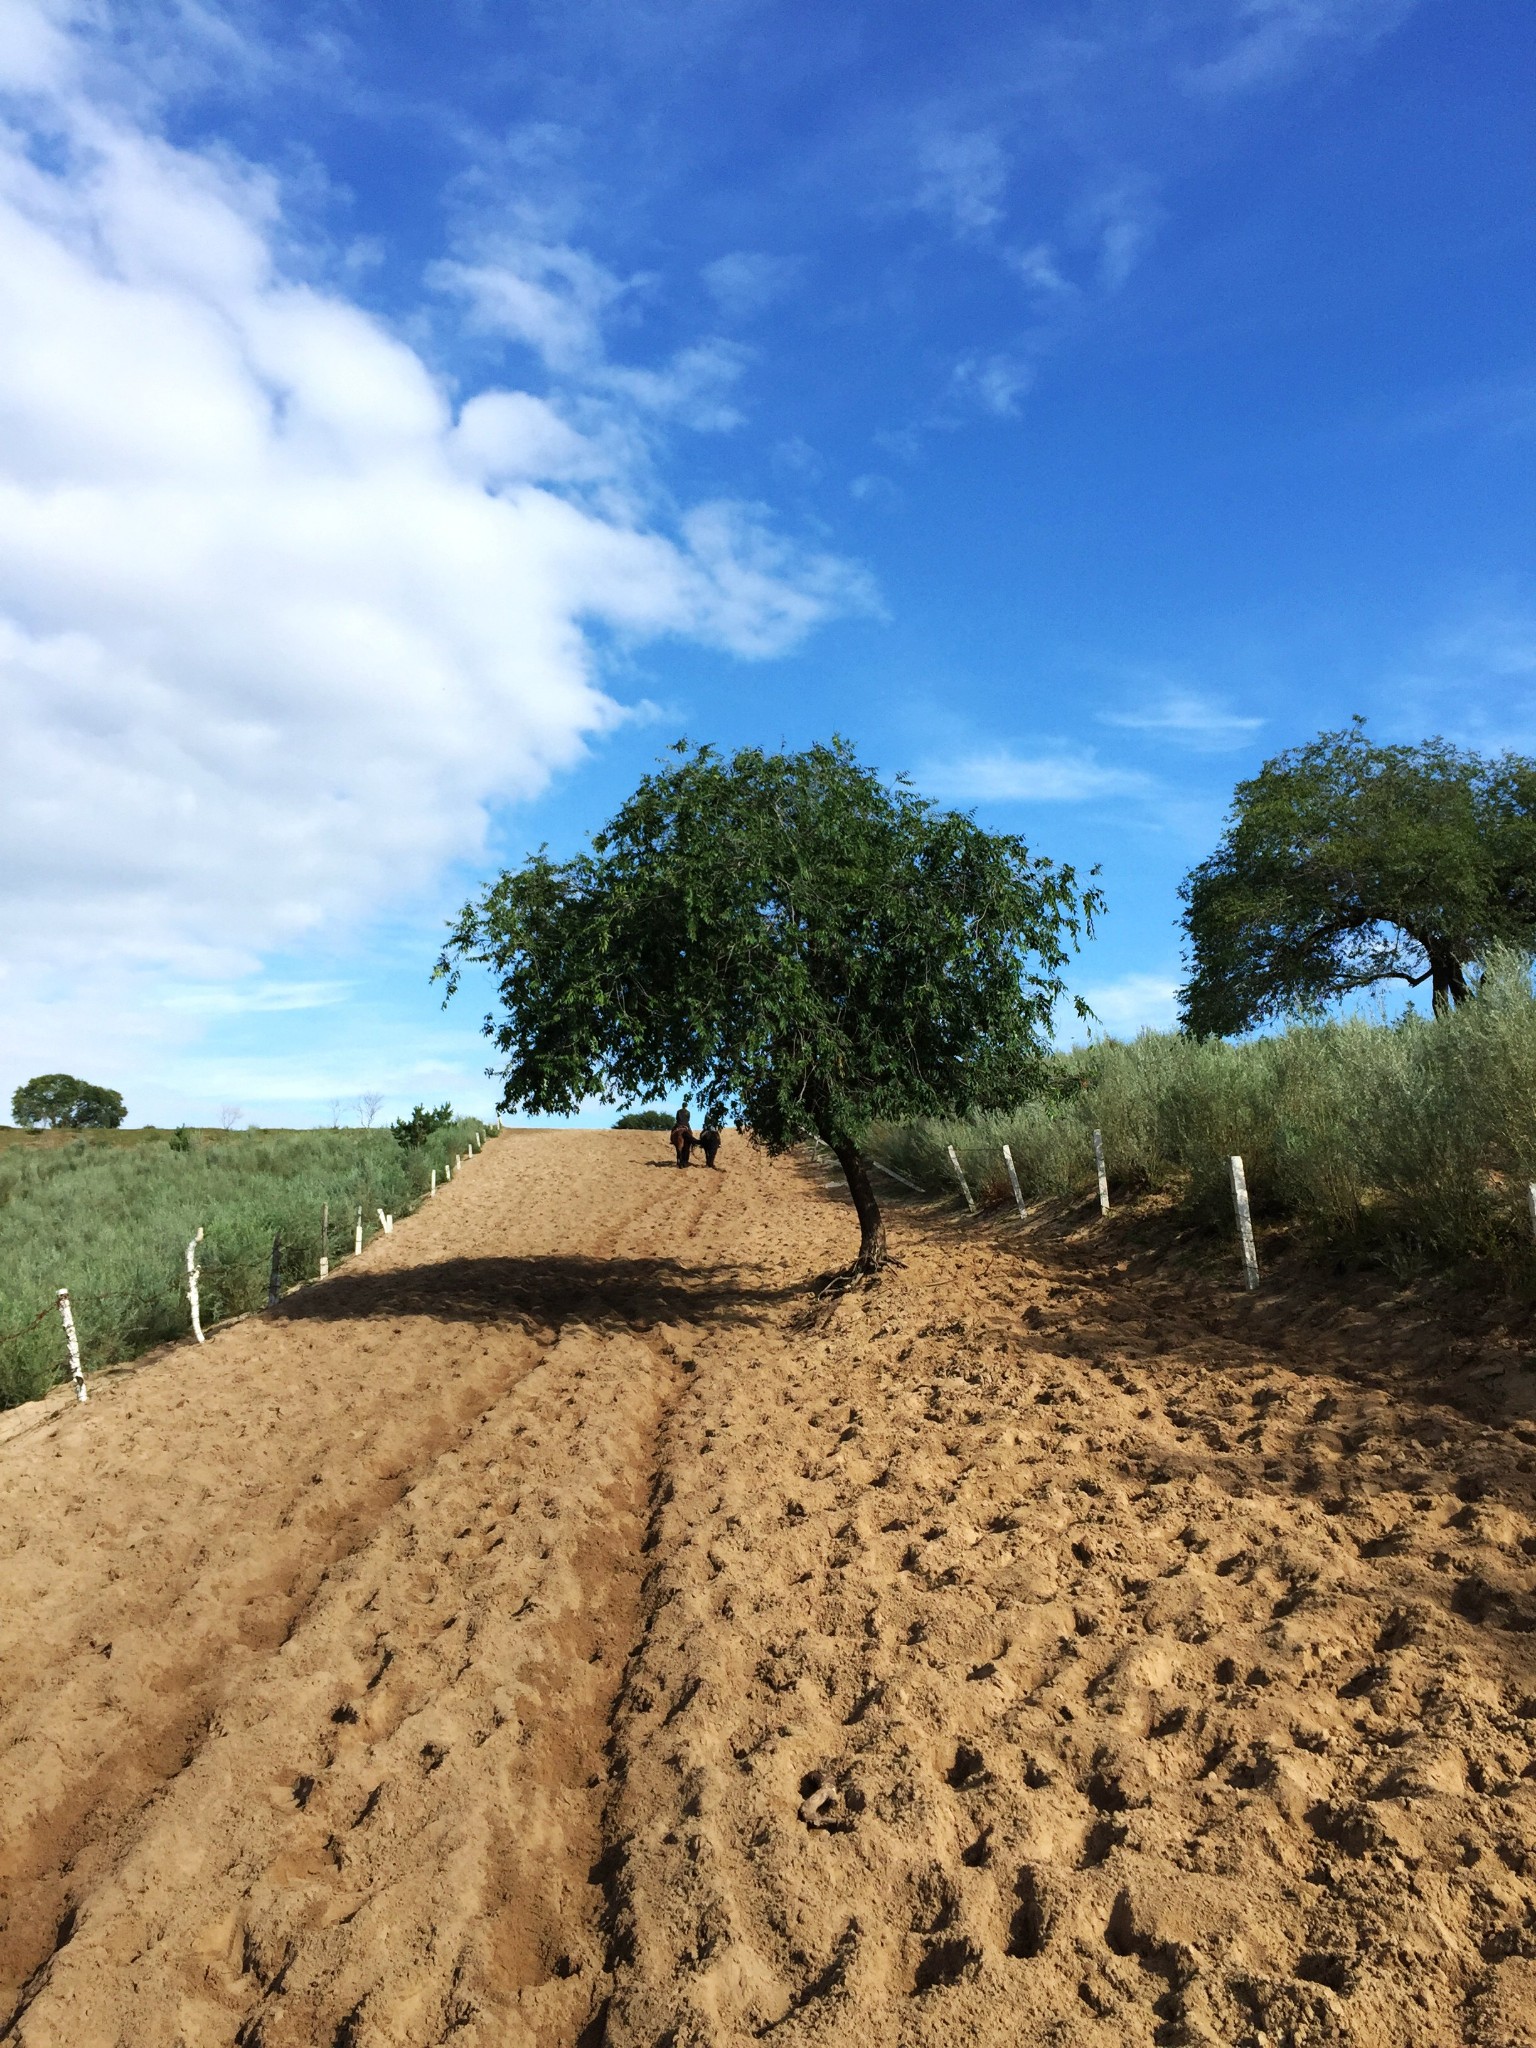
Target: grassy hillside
(108, 1214)
(1412, 1142)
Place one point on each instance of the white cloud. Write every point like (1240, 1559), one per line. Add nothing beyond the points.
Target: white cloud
(1474, 681)
(1002, 776)
(746, 281)
(264, 998)
(555, 300)
(1131, 1003)
(547, 295)
(1274, 41)
(995, 382)
(963, 179)
(1189, 717)
(1040, 269)
(275, 625)
(1118, 221)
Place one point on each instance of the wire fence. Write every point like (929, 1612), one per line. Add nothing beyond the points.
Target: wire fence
(273, 1217)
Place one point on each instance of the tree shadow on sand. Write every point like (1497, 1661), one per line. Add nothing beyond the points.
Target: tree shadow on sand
(631, 1294)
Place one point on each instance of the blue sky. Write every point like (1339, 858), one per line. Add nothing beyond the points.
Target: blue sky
(412, 419)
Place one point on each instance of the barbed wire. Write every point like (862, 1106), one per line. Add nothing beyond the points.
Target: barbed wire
(143, 1296)
(16, 1335)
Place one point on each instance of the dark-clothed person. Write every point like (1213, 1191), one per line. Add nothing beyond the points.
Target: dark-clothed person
(683, 1140)
(709, 1137)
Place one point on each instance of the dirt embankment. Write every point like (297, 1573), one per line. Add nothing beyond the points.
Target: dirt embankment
(555, 1630)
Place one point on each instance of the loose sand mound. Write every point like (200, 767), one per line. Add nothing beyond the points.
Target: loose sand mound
(559, 1629)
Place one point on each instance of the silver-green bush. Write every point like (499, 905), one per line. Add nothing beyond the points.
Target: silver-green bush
(1411, 1141)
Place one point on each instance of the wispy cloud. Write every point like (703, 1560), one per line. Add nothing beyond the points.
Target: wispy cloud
(1474, 681)
(1189, 717)
(962, 178)
(1060, 775)
(1126, 1005)
(261, 998)
(994, 382)
(746, 281)
(1271, 42)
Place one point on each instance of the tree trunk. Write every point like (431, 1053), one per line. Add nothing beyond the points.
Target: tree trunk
(1447, 981)
(871, 1223)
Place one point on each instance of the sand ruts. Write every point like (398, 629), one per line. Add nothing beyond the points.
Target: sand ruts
(557, 1629)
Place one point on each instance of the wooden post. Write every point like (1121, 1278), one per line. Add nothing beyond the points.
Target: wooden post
(76, 1370)
(325, 1239)
(1013, 1182)
(447, 1172)
(954, 1160)
(275, 1277)
(1098, 1160)
(1532, 1198)
(192, 1295)
(358, 1243)
(1244, 1222)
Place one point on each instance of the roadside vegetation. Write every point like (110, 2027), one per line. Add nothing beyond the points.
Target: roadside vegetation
(109, 1216)
(1412, 1142)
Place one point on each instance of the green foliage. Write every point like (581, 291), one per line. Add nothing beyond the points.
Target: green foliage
(1346, 864)
(181, 1139)
(645, 1120)
(787, 937)
(782, 934)
(418, 1128)
(111, 1222)
(59, 1101)
(1411, 1143)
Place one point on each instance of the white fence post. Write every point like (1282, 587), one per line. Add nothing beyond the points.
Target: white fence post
(1244, 1221)
(954, 1160)
(192, 1295)
(1098, 1161)
(325, 1239)
(1013, 1182)
(76, 1370)
(1532, 1196)
(358, 1242)
(386, 1224)
(434, 1183)
(447, 1173)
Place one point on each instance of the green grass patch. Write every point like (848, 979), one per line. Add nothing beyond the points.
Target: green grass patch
(1413, 1143)
(108, 1214)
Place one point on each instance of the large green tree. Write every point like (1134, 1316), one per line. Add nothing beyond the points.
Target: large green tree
(1346, 864)
(789, 937)
(59, 1100)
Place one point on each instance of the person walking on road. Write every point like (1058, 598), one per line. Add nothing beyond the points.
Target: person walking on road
(683, 1140)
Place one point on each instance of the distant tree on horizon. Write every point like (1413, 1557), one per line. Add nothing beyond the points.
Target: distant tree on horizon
(61, 1102)
(1345, 864)
(788, 937)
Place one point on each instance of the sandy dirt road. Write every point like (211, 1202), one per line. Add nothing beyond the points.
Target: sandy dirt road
(558, 1629)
